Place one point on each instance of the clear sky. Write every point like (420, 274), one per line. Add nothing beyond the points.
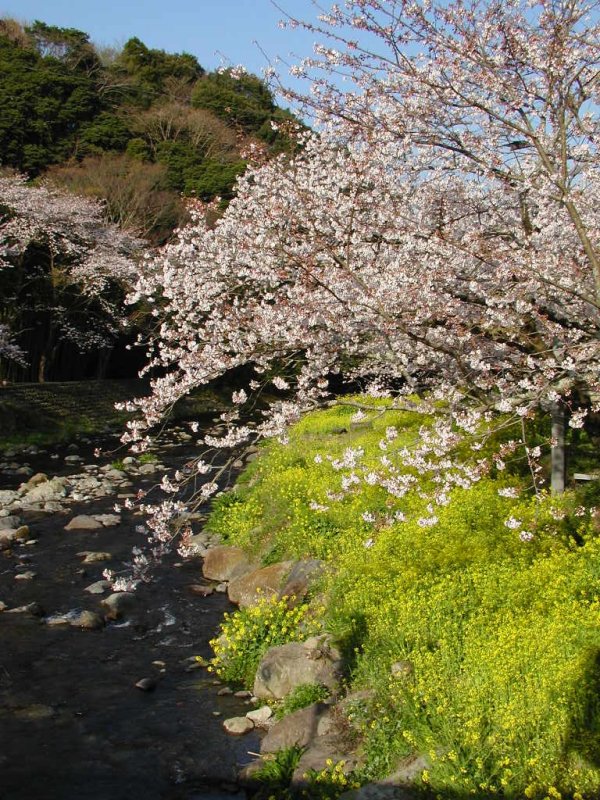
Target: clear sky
(215, 31)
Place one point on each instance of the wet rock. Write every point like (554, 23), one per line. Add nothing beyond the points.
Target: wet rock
(99, 587)
(201, 590)
(83, 523)
(224, 691)
(108, 520)
(3, 606)
(73, 459)
(7, 539)
(34, 712)
(118, 604)
(238, 726)
(34, 609)
(129, 461)
(260, 716)
(285, 667)
(247, 589)
(115, 475)
(146, 684)
(29, 575)
(24, 471)
(243, 694)
(92, 557)
(88, 620)
(22, 533)
(147, 469)
(226, 563)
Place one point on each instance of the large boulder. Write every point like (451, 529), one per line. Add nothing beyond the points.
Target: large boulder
(226, 563)
(299, 578)
(285, 667)
(248, 589)
(297, 729)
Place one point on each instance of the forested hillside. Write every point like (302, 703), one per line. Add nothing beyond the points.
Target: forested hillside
(137, 127)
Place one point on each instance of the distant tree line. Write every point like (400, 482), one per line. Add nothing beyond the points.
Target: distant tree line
(137, 127)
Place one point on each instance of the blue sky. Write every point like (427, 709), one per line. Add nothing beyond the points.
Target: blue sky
(213, 30)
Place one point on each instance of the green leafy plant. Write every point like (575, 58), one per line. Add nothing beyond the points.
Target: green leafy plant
(302, 696)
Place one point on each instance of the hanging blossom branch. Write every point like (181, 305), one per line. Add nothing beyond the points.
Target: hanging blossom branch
(438, 234)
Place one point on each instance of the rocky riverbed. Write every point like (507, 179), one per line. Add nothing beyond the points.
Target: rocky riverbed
(102, 697)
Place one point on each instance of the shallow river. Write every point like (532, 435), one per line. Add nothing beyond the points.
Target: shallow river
(73, 726)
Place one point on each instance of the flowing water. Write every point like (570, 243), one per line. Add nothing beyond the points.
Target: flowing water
(73, 725)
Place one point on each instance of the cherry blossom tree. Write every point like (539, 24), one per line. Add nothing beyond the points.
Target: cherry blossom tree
(63, 271)
(439, 232)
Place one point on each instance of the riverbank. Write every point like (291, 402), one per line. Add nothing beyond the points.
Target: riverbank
(99, 701)
(468, 628)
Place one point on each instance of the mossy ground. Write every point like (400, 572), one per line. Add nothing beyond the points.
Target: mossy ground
(503, 635)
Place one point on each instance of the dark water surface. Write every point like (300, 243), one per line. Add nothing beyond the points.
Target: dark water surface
(72, 724)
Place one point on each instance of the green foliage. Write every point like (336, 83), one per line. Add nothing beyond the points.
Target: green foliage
(502, 633)
(106, 132)
(302, 696)
(44, 102)
(275, 774)
(59, 102)
(248, 634)
(245, 100)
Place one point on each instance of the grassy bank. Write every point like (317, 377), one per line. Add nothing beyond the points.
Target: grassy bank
(496, 627)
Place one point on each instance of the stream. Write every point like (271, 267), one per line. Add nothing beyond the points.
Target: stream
(73, 724)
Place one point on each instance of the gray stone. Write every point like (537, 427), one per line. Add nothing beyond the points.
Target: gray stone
(118, 604)
(322, 751)
(8, 496)
(200, 590)
(284, 668)
(83, 523)
(147, 469)
(238, 726)
(225, 563)
(3, 606)
(297, 729)
(300, 577)
(49, 490)
(99, 587)
(108, 520)
(11, 521)
(93, 557)
(261, 716)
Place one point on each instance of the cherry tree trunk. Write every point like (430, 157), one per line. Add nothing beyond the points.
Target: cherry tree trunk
(558, 454)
